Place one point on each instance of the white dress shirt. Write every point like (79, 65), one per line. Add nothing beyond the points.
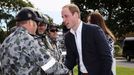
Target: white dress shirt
(78, 41)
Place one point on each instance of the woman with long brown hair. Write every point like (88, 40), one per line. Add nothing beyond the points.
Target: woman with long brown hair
(97, 19)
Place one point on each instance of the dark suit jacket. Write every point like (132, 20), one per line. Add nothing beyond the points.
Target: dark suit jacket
(95, 51)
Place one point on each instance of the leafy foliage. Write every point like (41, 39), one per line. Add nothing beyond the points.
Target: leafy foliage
(8, 8)
(119, 13)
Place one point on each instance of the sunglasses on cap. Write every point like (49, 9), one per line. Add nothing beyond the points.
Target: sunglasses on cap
(53, 30)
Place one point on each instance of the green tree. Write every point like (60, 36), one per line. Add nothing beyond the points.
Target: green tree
(8, 9)
(119, 13)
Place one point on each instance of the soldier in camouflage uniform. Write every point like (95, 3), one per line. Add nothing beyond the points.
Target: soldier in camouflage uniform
(43, 36)
(55, 42)
(22, 54)
(46, 40)
(41, 30)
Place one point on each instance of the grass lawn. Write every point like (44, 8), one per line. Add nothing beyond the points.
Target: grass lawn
(124, 71)
(119, 71)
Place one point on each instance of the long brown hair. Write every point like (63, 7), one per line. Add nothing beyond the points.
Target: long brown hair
(97, 18)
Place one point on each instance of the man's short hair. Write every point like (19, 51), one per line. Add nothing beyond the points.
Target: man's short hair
(73, 8)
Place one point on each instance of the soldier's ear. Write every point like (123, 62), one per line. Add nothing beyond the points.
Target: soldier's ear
(31, 22)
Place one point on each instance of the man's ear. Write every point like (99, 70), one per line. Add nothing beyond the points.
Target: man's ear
(75, 14)
(31, 22)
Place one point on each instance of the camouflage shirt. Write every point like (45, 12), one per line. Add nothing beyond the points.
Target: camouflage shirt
(55, 51)
(21, 54)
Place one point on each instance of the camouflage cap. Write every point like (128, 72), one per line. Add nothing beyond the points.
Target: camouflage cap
(45, 18)
(27, 13)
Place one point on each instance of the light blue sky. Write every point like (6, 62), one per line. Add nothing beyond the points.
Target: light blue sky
(51, 8)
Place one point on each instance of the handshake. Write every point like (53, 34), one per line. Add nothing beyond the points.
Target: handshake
(55, 68)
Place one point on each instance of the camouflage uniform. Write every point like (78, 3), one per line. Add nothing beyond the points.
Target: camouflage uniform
(22, 54)
(45, 40)
(56, 51)
(52, 46)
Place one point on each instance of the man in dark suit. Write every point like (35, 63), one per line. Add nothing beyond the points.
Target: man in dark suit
(86, 45)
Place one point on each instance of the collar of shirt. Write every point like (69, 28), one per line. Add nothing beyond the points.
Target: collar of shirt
(78, 31)
(78, 41)
(21, 29)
